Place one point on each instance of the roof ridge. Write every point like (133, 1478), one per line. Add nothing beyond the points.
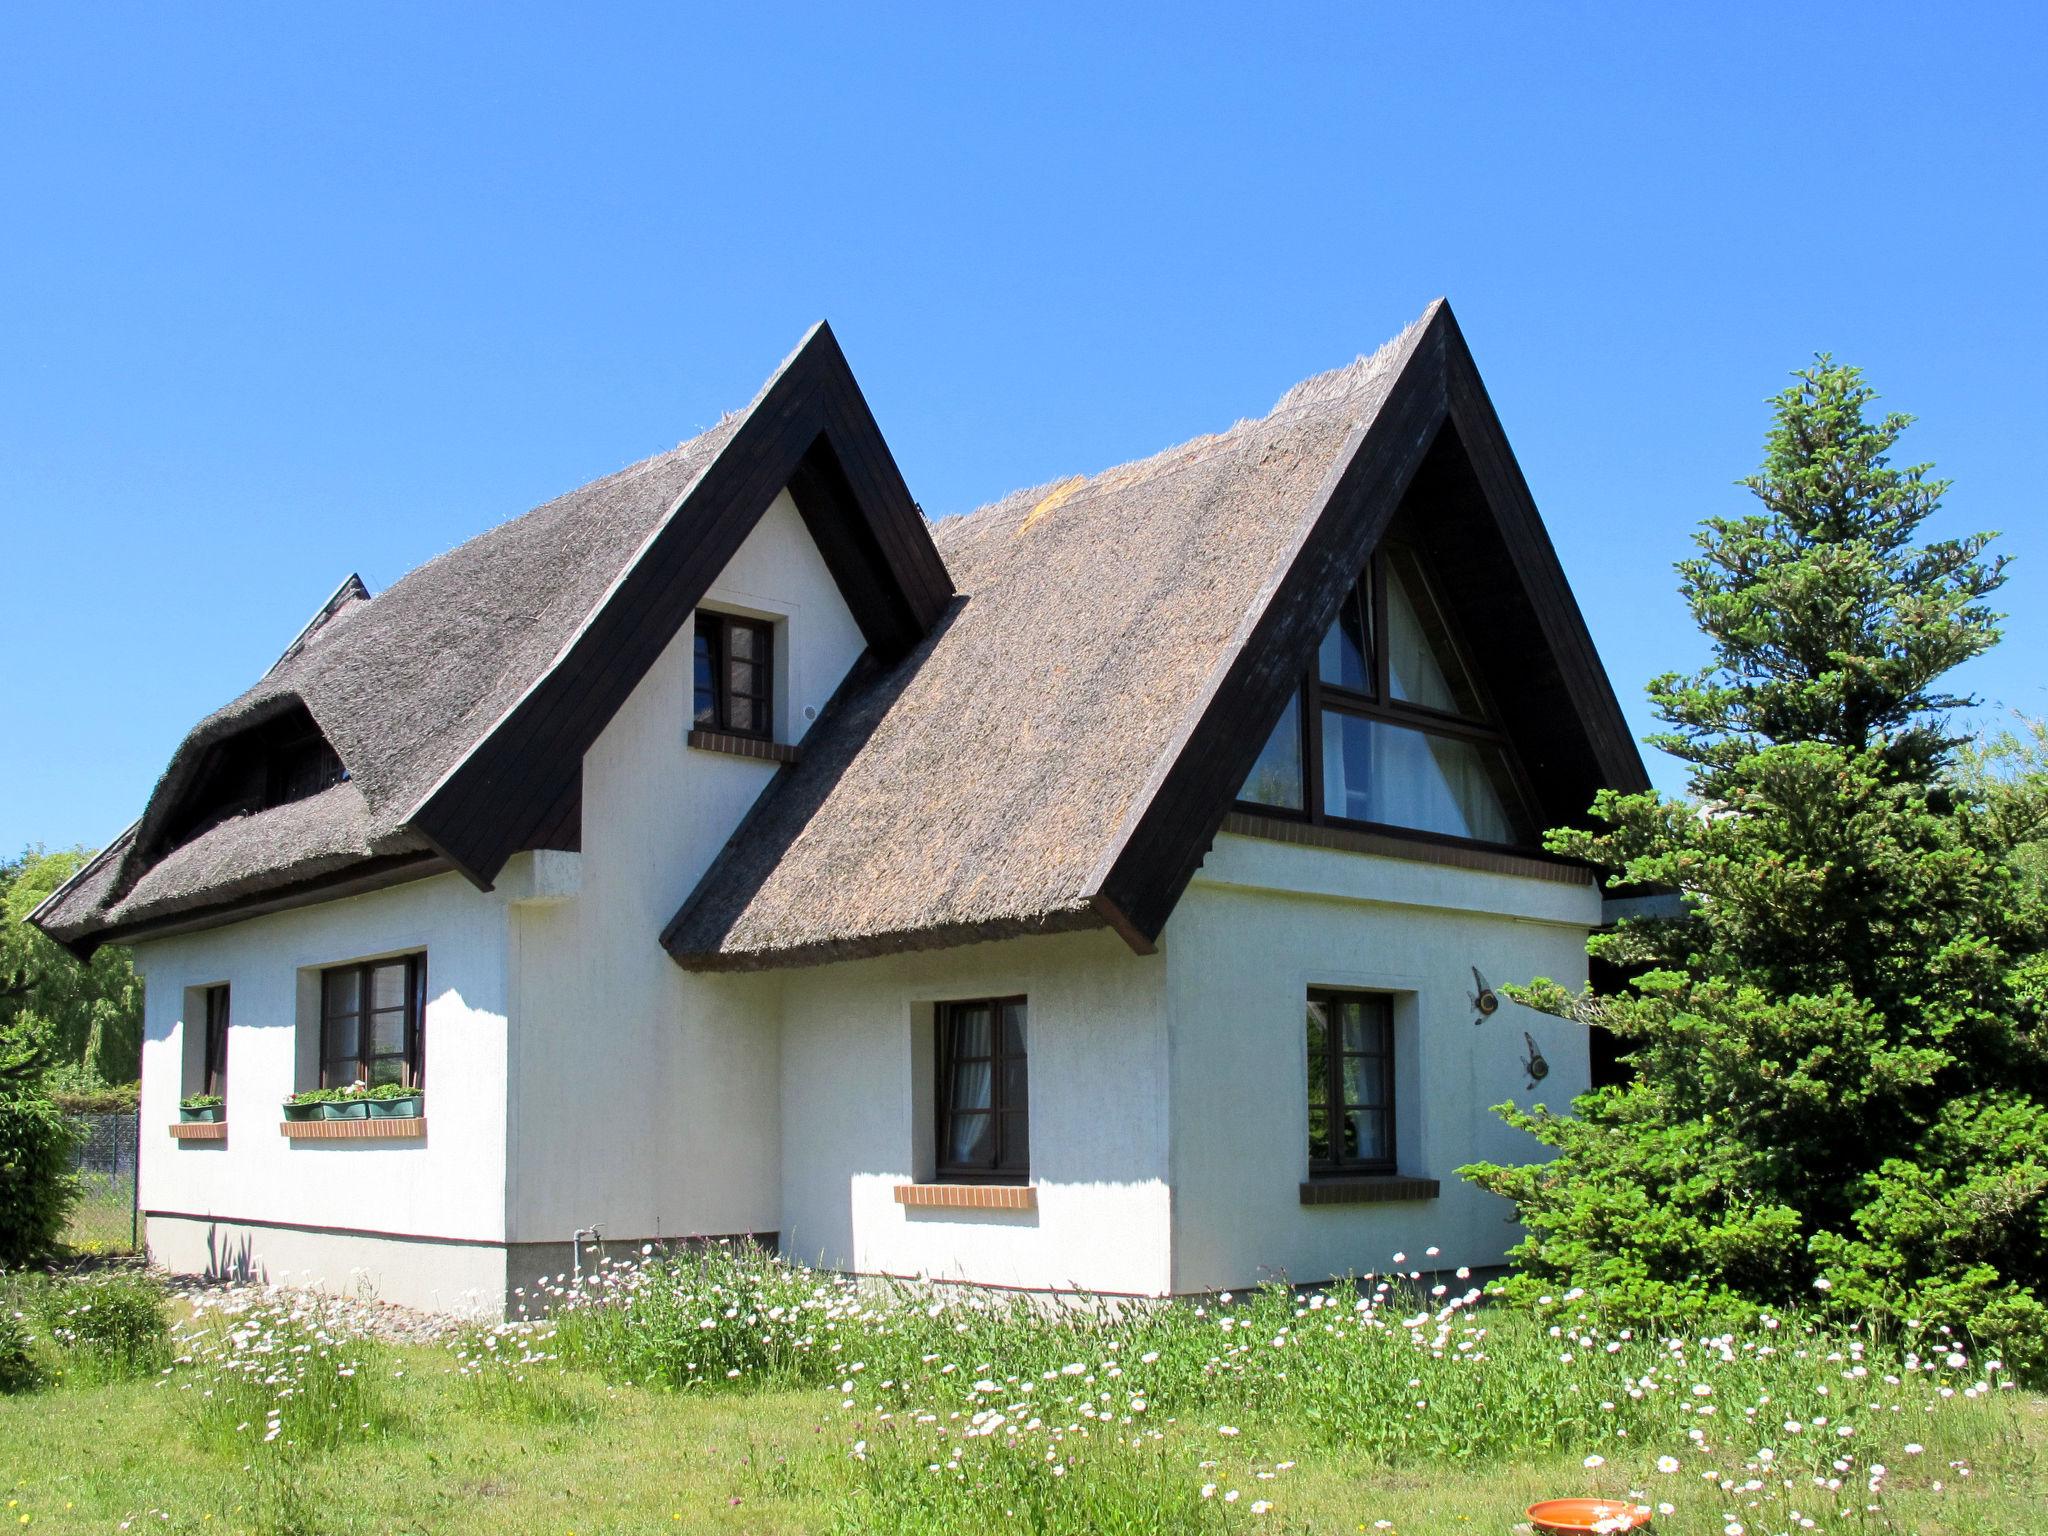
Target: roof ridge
(1319, 391)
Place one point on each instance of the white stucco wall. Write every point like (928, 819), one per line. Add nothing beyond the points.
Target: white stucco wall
(856, 1105)
(644, 1100)
(449, 1184)
(1262, 923)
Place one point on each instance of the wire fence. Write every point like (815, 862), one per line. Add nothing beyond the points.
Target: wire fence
(104, 1219)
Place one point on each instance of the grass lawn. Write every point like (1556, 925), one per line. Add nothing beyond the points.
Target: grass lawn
(631, 1459)
(838, 1414)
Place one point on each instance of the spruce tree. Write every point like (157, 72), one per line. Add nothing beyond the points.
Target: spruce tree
(1838, 1050)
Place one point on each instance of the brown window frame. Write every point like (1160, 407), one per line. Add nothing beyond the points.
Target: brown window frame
(1003, 1167)
(713, 630)
(1333, 1084)
(1318, 697)
(213, 1061)
(360, 1067)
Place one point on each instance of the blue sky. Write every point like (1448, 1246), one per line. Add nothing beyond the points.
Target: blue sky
(287, 292)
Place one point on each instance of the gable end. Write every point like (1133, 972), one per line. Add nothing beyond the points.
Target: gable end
(810, 431)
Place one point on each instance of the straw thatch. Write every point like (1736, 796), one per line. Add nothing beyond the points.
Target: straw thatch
(979, 788)
(402, 685)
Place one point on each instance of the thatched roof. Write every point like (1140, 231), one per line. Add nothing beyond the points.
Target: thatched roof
(409, 684)
(1045, 733)
(980, 788)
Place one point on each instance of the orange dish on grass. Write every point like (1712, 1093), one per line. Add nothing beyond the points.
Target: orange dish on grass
(1582, 1517)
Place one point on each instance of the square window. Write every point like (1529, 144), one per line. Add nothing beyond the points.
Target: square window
(370, 1023)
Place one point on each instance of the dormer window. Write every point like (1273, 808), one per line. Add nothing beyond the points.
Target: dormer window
(285, 758)
(302, 768)
(1390, 728)
(735, 674)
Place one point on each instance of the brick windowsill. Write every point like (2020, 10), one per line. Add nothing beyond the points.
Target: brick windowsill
(402, 1128)
(199, 1130)
(743, 746)
(1372, 1189)
(969, 1197)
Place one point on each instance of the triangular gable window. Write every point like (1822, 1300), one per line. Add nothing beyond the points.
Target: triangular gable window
(1389, 728)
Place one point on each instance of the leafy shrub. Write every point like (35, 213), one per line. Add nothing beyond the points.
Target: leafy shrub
(111, 1326)
(20, 1370)
(79, 1090)
(36, 1186)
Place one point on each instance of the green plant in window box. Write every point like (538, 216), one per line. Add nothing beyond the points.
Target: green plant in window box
(306, 1104)
(208, 1108)
(350, 1103)
(395, 1101)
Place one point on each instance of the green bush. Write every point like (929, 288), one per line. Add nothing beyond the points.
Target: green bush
(36, 1186)
(20, 1370)
(110, 1326)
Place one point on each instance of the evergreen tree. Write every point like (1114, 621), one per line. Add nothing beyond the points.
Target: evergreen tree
(1838, 1050)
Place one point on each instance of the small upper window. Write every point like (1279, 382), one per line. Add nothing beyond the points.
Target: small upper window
(302, 768)
(984, 1091)
(213, 1070)
(735, 672)
(371, 1020)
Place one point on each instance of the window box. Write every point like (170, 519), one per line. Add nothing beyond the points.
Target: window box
(205, 1114)
(301, 1110)
(343, 1109)
(405, 1107)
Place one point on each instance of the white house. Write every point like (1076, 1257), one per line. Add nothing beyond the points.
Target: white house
(1094, 891)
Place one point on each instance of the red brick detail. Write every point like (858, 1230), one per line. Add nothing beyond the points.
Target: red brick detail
(742, 746)
(199, 1130)
(403, 1128)
(970, 1197)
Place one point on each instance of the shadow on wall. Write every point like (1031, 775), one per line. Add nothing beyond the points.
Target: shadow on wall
(230, 1258)
(924, 1215)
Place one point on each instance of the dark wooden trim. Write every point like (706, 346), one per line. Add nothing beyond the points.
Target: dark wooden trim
(1367, 1189)
(1401, 843)
(810, 426)
(394, 1128)
(1166, 844)
(1435, 413)
(1492, 461)
(744, 746)
(372, 874)
(1124, 928)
